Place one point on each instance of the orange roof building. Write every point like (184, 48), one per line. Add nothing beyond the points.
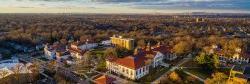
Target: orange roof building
(104, 79)
(137, 65)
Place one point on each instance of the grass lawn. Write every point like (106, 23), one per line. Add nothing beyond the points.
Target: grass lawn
(188, 79)
(203, 73)
(199, 72)
(153, 75)
(190, 63)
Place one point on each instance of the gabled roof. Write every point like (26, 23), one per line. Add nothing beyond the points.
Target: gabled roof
(133, 62)
(140, 59)
(104, 79)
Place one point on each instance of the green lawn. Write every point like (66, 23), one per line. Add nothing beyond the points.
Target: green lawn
(190, 63)
(199, 72)
(188, 79)
(153, 75)
(203, 73)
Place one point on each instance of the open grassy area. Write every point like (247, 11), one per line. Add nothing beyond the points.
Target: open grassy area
(188, 79)
(153, 75)
(190, 63)
(203, 73)
(199, 72)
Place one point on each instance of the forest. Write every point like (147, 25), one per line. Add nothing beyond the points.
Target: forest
(182, 32)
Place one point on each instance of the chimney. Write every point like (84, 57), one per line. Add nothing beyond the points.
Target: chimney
(87, 41)
(158, 44)
(136, 51)
(148, 48)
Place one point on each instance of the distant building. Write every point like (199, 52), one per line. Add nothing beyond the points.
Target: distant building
(239, 56)
(104, 79)
(122, 42)
(200, 20)
(137, 65)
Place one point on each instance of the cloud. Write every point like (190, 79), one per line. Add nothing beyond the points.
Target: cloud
(133, 4)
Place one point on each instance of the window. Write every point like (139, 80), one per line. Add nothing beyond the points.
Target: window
(123, 70)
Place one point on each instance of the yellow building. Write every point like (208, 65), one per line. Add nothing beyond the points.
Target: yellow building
(123, 42)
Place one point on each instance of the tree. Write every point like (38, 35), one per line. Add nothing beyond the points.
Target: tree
(208, 61)
(221, 78)
(63, 41)
(217, 78)
(34, 68)
(174, 76)
(17, 70)
(182, 47)
(4, 73)
(141, 43)
(110, 52)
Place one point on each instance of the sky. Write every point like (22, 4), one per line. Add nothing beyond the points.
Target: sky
(124, 6)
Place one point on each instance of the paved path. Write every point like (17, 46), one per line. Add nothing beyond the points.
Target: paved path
(157, 81)
(200, 79)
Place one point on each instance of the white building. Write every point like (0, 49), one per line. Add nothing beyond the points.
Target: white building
(49, 52)
(238, 57)
(55, 51)
(136, 66)
(106, 42)
(77, 49)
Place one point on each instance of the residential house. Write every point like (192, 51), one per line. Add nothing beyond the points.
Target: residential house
(55, 51)
(78, 49)
(240, 56)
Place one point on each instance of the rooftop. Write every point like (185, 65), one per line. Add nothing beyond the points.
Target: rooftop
(104, 79)
(141, 58)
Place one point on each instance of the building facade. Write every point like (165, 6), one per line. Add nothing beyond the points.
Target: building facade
(122, 42)
(137, 65)
(78, 49)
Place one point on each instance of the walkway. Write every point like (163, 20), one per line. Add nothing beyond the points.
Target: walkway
(200, 79)
(157, 81)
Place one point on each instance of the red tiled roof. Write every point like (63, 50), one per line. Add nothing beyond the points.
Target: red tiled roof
(104, 79)
(133, 62)
(163, 49)
(139, 60)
